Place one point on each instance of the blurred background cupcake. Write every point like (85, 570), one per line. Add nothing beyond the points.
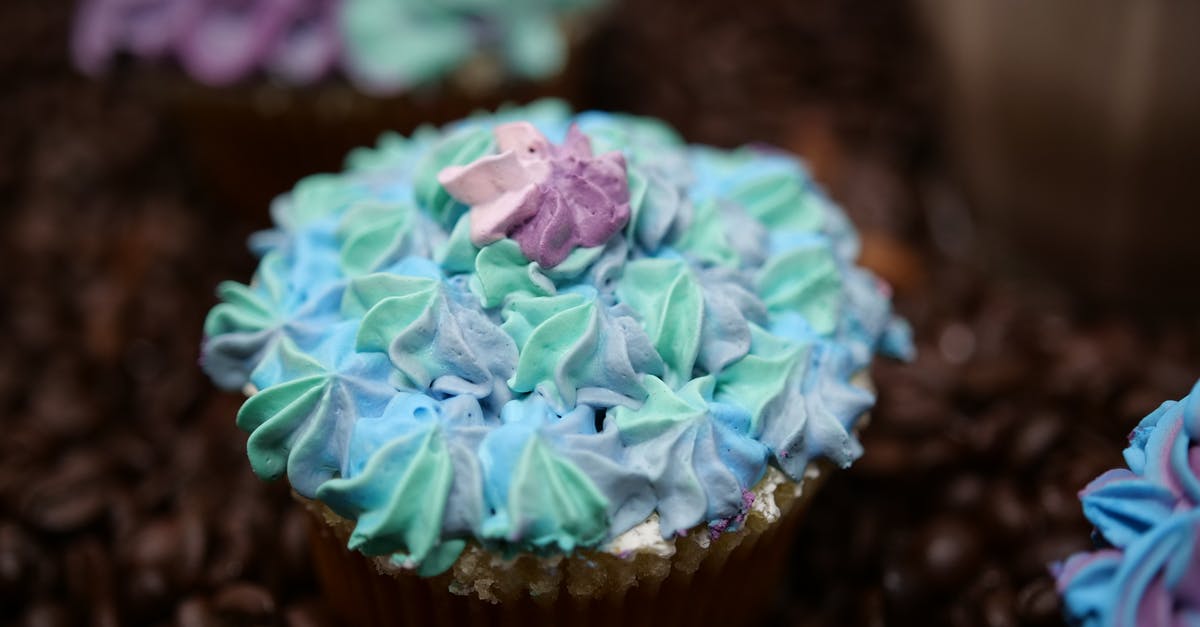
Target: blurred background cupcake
(266, 91)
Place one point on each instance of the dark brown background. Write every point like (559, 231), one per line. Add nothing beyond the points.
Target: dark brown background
(124, 494)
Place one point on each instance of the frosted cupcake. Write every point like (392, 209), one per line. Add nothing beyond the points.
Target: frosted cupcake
(550, 367)
(1146, 569)
(271, 90)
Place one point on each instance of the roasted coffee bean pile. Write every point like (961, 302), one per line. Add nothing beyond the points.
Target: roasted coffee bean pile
(976, 452)
(125, 498)
(124, 493)
(726, 74)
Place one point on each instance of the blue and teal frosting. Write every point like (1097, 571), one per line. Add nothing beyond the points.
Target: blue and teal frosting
(1146, 568)
(437, 393)
(382, 46)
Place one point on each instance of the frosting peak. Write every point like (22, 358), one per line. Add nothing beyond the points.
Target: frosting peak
(1147, 517)
(550, 199)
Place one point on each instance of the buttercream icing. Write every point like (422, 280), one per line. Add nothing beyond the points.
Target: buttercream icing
(1146, 570)
(550, 199)
(429, 375)
(383, 46)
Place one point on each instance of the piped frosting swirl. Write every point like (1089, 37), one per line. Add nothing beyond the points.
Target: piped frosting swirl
(1146, 570)
(429, 373)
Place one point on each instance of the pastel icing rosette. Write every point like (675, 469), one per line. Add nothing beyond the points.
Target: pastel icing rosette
(1147, 568)
(534, 331)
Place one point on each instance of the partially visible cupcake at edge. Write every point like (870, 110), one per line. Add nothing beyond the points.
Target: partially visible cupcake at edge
(554, 368)
(297, 83)
(1145, 570)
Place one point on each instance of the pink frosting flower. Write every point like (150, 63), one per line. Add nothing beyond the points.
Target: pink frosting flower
(550, 199)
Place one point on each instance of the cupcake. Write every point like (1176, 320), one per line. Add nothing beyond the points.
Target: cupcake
(267, 91)
(1146, 568)
(553, 368)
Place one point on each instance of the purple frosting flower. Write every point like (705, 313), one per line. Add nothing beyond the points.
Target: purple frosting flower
(549, 198)
(1147, 571)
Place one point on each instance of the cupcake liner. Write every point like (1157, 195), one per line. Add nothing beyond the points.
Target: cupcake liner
(730, 579)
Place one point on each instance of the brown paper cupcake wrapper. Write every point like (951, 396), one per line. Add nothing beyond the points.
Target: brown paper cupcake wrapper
(730, 581)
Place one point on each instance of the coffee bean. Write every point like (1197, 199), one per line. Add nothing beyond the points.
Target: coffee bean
(930, 373)
(18, 559)
(1172, 375)
(1081, 368)
(157, 544)
(986, 431)
(46, 614)
(948, 551)
(1006, 512)
(294, 542)
(193, 536)
(233, 550)
(904, 586)
(999, 608)
(307, 614)
(196, 612)
(13, 481)
(60, 408)
(1139, 402)
(991, 378)
(1059, 504)
(147, 590)
(245, 604)
(883, 458)
(35, 323)
(59, 508)
(965, 492)
(1089, 462)
(133, 453)
(912, 409)
(72, 496)
(25, 446)
(956, 342)
(1034, 558)
(1037, 602)
(873, 606)
(192, 452)
(103, 613)
(1034, 439)
(89, 572)
(936, 454)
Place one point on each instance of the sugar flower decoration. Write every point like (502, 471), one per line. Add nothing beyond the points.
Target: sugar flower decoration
(1147, 569)
(550, 199)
